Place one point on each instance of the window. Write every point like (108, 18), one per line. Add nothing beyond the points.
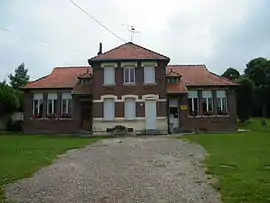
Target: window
(130, 108)
(222, 106)
(109, 75)
(193, 103)
(207, 102)
(149, 74)
(51, 104)
(38, 105)
(66, 105)
(173, 80)
(109, 109)
(84, 80)
(129, 74)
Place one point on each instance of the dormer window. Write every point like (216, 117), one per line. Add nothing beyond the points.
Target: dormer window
(173, 80)
(84, 80)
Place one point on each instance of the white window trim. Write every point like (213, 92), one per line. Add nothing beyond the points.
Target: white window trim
(129, 77)
(134, 107)
(67, 106)
(37, 97)
(193, 94)
(108, 67)
(154, 76)
(208, 95)
(221, 94)
(113, 116)
(38, 105)
(51, 97)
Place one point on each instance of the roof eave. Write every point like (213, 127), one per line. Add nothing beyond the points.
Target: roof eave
(90, 61)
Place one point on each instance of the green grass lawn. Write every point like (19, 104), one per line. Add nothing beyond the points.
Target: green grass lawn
(240, 161)
(22, 155)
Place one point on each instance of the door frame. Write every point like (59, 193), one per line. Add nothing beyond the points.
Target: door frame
(151, 115)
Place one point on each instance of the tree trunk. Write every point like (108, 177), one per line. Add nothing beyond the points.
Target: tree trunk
(264, 110)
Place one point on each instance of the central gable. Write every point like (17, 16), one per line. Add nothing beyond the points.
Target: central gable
(129, 51)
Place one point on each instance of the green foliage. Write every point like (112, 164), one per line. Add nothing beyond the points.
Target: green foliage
(257, 69)
(8, 100)
(20, 78)
(23, 155)
(231, 74)
(244, 98)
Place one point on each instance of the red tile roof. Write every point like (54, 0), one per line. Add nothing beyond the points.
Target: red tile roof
(198, 75)
(129, 51)
(60, 77)
(82, 89)
(177, 88)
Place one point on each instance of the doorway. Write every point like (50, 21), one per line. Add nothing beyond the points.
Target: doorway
(151, 114)
(86, 116)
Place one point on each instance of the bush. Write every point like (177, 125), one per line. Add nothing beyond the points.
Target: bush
(14, 126)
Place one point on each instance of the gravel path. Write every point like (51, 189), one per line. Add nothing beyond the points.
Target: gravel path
(128, 170)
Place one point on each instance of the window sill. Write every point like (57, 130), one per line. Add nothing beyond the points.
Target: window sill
(212, 116)
(108, 85)
(129, 84)
(150, 83)
(65, 119)
(38, 119)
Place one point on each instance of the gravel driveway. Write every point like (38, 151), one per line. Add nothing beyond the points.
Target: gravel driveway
(151, 170)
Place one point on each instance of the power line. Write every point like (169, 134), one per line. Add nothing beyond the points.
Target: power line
(40, 40)
(97, 21)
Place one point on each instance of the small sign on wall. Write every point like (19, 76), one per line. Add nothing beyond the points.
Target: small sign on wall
(183, 107)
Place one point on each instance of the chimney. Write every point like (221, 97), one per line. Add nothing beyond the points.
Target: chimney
(100, 49)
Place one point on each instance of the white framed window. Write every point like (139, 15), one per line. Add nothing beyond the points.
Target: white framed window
(222, 104)
(108, 109)
(51, 103)
(207, 102)
(129, 74)
(38, 105)
(193, 103)
(109, 75)
(66, 105)
(130, 108)
(149, 74)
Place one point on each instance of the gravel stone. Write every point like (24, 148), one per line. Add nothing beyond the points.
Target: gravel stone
(126, 170)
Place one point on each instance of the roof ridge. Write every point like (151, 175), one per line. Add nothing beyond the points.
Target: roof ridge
(223, 78)
(36, 80)
(60, 67)
(185, 65)
(130, 43)
(109, 50)
(149, 50)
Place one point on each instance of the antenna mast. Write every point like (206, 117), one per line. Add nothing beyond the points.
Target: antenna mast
(132, 30)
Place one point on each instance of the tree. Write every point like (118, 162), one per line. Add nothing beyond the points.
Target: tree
(244, 98)
(8, 99)
(231, 74)
(258, 70)
(20, 78)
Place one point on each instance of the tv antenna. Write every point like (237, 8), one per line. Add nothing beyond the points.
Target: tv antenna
(132, 30)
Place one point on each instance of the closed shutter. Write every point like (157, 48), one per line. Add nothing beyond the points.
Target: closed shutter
(109, 109)
(149, 74)
(130, 108)
(109, 75)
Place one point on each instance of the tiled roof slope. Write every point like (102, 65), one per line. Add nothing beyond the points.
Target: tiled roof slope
(177, 88)
(129, 51)
(198, 75)
(60, 77)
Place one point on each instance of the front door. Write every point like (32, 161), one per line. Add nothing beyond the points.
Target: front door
(151, 114)
(174, 113)
(86, 122)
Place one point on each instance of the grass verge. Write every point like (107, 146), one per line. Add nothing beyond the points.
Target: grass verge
(240, 161)
(22, 155)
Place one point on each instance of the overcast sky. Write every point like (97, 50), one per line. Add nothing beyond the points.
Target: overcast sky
(218, 33)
